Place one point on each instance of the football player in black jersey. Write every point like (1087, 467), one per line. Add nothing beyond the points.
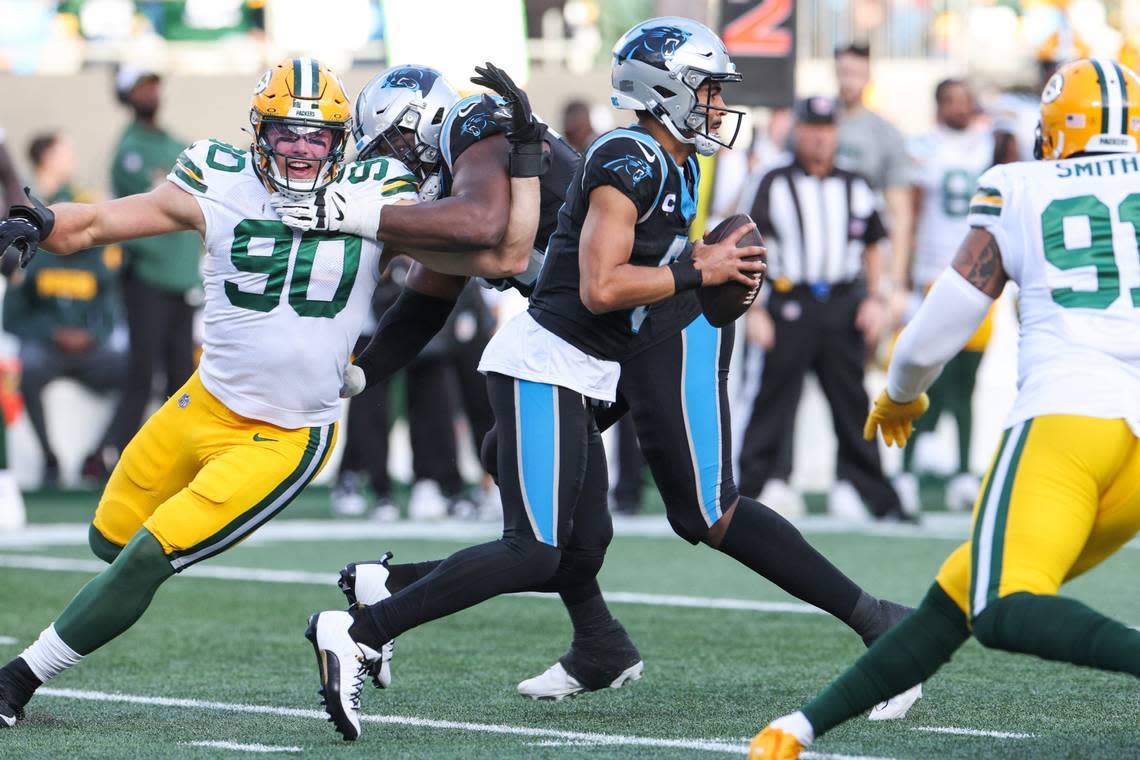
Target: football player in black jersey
(681, 418)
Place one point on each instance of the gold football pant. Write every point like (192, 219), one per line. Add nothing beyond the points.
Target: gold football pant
(1061, 496)
(201, 478)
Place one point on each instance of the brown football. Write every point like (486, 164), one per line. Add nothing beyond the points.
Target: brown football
(723, 303)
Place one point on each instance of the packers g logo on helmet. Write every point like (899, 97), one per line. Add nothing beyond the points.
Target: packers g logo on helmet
(1089, 106)
(302, 96)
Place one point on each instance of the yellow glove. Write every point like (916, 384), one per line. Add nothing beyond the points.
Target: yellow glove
(895, 420)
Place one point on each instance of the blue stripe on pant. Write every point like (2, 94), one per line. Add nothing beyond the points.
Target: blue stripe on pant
(537, 433)
(701, 409)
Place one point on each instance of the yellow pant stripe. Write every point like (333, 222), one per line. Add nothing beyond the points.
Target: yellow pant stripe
(316, 451)
(989, 524)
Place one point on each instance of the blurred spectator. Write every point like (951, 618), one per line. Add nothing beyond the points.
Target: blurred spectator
(63, 310)
(444, 371)
(10, 184)
(576, 125)
(948, 162)
(161, 283)
(873, 148)
(823, 313)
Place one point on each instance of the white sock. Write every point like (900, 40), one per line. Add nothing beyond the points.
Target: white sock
(49, 655)
(798, 726)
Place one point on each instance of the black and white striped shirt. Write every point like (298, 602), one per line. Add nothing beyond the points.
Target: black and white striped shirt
(816, 229)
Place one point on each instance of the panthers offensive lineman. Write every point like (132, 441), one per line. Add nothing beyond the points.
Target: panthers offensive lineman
(253, 425)
(1063, 492)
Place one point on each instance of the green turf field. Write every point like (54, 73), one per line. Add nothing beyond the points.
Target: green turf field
(223, 661)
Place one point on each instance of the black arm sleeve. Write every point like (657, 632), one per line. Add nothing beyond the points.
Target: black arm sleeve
(404, 330)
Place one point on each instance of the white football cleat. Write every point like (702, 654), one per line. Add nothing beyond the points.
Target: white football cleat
(343, 664)
(556, 684)
(906, 486)
(364, 584)
(844, 503)
(897, 706)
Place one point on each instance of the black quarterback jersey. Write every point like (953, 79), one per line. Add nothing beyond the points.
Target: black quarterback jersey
(470, 121)
(665, 195)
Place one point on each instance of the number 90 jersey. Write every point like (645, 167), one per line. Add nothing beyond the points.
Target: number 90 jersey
(1068, 233)
(283, 307)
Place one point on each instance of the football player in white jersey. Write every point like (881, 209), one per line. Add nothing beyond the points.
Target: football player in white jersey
(948, 161)
(1063, 492)
(256, 422)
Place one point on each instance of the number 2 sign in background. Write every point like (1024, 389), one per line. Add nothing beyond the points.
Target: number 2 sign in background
(761, 39)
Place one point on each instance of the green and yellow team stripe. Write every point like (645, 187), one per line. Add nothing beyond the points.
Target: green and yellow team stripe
(405, 183)
(987, 200)
(988, 541)
(188, 171)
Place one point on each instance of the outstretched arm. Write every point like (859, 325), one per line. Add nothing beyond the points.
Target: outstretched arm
(79, 226)
(950, 314)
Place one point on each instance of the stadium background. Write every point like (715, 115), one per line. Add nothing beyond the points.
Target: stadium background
(57, 59)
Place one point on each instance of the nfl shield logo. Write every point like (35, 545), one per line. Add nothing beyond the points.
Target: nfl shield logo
(184, 401)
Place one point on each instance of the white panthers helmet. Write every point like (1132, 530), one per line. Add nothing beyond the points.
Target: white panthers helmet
(411, 98)
(658, 66)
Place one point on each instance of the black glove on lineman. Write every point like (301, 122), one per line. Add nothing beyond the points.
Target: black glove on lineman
(523, 130)
(25, 227)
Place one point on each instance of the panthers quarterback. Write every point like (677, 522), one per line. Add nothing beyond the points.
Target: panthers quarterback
(256, 422)
(1063, 491)
(673, 377)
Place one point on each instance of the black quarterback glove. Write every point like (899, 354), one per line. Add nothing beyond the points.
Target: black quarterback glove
(523, 130)
(25, 227)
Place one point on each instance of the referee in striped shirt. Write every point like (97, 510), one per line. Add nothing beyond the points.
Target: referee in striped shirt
(824, 312)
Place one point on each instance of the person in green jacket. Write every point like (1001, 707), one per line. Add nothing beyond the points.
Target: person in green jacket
(161, 281)
(63, 310)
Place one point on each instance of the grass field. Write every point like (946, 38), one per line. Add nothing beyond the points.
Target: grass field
(218, 666)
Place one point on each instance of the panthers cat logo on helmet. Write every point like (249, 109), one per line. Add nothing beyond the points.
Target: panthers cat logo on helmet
(1089, 106)
(304, 97)
(413, 77)
(658, 67)
(400, 113)
(655, 45)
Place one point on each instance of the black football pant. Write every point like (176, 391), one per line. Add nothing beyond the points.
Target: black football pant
(552, 475)
(819, 336)
(161, 326)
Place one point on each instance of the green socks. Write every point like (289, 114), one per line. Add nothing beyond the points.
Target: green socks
(114, 599)
(906, 655)
(1056, 628)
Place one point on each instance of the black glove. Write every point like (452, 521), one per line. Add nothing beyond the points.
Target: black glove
(523, 130)
(25, 227)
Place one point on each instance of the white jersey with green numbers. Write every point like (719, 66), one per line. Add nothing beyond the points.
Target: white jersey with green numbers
(1068, 233)
(947, 166)
(283, 307)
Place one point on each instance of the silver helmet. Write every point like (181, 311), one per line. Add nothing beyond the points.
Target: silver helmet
(658, 66)
(398, 103)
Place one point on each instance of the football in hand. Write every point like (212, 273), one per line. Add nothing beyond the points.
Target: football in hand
(723, 303)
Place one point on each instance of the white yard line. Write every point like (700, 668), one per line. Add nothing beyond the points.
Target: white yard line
(7, 640)
(943, 526)
(261, 575)
(973, 732)
(236, 747)
(575, 737)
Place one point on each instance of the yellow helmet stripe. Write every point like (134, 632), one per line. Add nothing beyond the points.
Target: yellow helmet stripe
(1124, 97)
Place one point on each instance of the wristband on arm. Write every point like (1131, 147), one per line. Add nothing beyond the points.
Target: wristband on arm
(686, 276)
